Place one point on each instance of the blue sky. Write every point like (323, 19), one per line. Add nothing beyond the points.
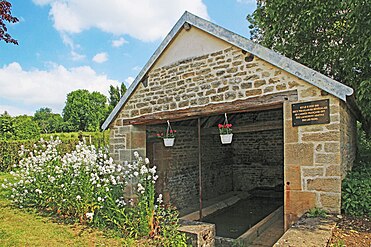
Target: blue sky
(65, 45)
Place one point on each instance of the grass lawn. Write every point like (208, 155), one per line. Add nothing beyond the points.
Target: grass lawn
(22, 228)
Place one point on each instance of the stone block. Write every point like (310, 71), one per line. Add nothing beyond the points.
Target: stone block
(138, 140)
(311, 128)
(251, 77)
(333, 170)
(246, 85)
(230, 95)
(334, 126)
(281, 87)
(334, 109)
(273, 80)
(259, 83)
(299, 154)
(146, 110)
(203, 100)
(253, 92)
(209, 92)
(125, 155)
(297, 203)
(268, 89)
(199, 234)
(293, 84)
(309, 92)
(223, 89)
(217, 98)
(324, 184)
(312, 171)
(251, 65)
(327, 158)
(216, 84)
(321, 136)
(184, 104)
(331, 202)
(293, 177)
(291, 133)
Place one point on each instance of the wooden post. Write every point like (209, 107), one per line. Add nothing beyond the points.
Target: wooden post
(199, 164)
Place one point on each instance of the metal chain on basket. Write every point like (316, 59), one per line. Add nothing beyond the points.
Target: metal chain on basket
(225, 119)
(168, 129)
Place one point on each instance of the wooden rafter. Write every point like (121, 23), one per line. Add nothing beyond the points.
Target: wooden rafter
(260, 103)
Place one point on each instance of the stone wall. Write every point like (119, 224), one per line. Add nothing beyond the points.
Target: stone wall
(315, 157)
(177, 165)
(312, 162)
(257, 159)
(258, 156)
(179, 171)
(217, 167)
(348, 139)
(222, 76)
(124, 140)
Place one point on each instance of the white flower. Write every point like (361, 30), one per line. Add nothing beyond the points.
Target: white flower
(146, 160)
(136, 154)
(136, 174)
(143, 170)
(78, 197)
(89, 216)
(159, 199)
(140, 188)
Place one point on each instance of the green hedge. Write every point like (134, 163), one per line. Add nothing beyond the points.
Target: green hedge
(356, 191)
(9, 149)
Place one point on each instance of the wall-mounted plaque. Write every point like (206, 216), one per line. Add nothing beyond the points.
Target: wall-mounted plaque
(308, 113)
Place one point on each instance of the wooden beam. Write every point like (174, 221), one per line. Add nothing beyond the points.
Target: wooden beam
(260, 103)
(252, 127)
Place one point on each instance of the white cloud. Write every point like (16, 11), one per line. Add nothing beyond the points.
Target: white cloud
(146, 20)
(119, 42)
(129, 80)
(48, 87)
(247, 1)
(76, 56)
(100, 57)
(137, 68)
(67, 40)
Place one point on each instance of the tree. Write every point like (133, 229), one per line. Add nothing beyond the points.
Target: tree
(6, 126)
(332, 37)
(48, 121)
(6, 16)
(116, 94)
(25, 128)
(18, 128)
(85, 111)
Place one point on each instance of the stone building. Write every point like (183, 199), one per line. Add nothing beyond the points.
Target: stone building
(294, 128)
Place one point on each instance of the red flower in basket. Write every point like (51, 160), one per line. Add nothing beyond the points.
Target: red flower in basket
(225, 129)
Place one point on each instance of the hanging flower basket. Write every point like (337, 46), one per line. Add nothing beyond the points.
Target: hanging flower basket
(168, 136)
(226, 138)
(225, 131)
(169, 142)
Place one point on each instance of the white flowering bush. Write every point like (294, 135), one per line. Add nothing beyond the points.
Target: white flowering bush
(88, 186)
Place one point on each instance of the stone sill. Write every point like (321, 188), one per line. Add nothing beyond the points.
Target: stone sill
(308, 232)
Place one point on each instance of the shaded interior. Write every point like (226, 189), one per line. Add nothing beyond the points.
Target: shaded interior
(253, 160)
